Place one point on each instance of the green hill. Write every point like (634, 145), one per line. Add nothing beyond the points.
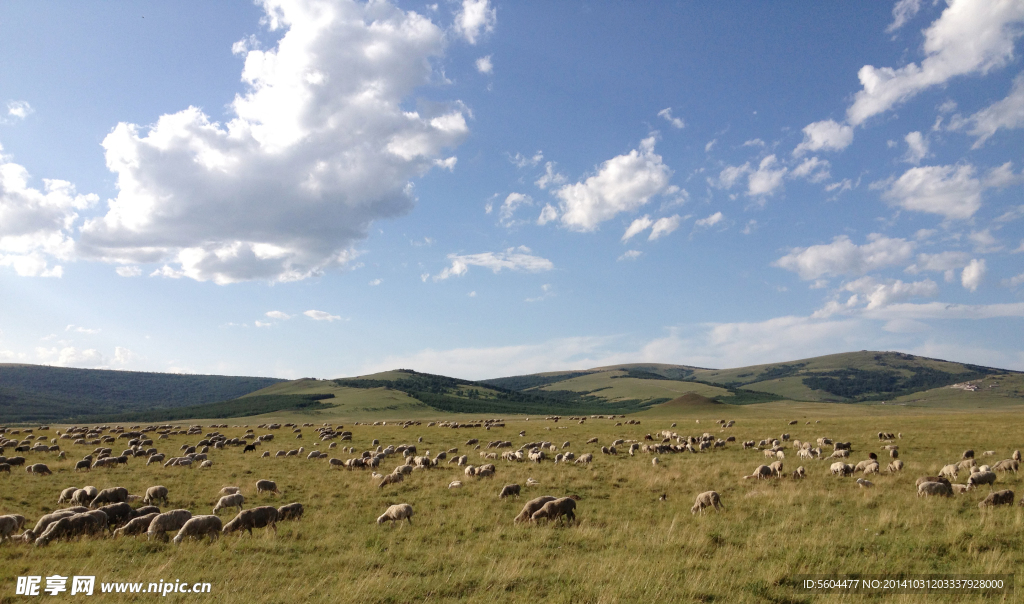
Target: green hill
(36, 393)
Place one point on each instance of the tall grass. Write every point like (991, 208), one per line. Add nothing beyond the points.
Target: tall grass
(626, 546)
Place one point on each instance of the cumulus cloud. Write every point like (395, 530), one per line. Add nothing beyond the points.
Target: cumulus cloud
(813, 169)
(766, 179)
(729, 176)
(319, 147)
(973, 275)
(631, 255)
(36, 225)
(128, 271)
(901, 13)
(843, 257)
(942, 262)
(376, 282)
(276, 314)
(826, 135)
(319, 315)
(1014, 281)
(508, 208)
(969, 37)
(677, 122)
(484, 64)
(69, 356)
(710, 221)
(664, 226)
(1007, 113)
(917, 148)
(475, 18)
(883, 293)
(951, 191)
(19, 109)
(522, 161)
(637, 226)
(519, 259)
(550, 176)
(547, 214)
(622, 184)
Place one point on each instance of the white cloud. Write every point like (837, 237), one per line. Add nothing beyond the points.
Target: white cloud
(765, 180)
(917, 148)
(36, 225)
(376, 282)
(128, 271)
(123, 356)
(942, 262)
(943, 310)
(319, 147)
(813, 169)
(749, 227)
(319, 315)
(901, 13)
(665, 226)
(509, 206)
(985, 242)
(676, 122)
(710, 144)
(951, 191)
(622, 184)
(843, 257)
(710, 221)
(631, 255)
(522, 161)
(518, 259)
(484, 65)
(754, 142)
(973, 274)
(826, 135)
(80, 329)
(546, 292)
(167, 272)
(475, 18)
(729, 176)
(69, 356)
(1014, 281)
(1007, 113)
(447, 164)
(263, 323)
(969, 37)
(878, 294)
(547, 214)
(276, 314)
(19, 109)
(550, 176)
(637, 226)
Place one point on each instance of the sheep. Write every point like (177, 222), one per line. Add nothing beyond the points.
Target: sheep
(707, 499)
(925, 479)
(841, 469)
(268, 486)
(1007, 465)
(48, 519)
(584, 459)
(292, 511)
(760, 472)
(934, 488)
(455, 484)
(866, 484)
(229, 501)
(995, 498)
(532, 506)
(84, 464)
(776, 468)
(84, 496)
(949, 471)
(66, 495)
(156, 458)
(69, 526)
(397, 512)
(871, 468)
(979, 478)
(509, 490)
(9, 524)
(38, 468)
(554, 510)
(895, 466)
(168, 521)
(155, 493)
(206, 464)
(198, 527)
(531, 482)
(968, 454)
(958, 488)
(117, 513)
(246, 520)
(966, 464)
(485, 471)
(800, 472)
(136, 526)
(111, 495)
(228, 491)
(989, 454)
(1016, 455)
(655, 461)
(392, 478)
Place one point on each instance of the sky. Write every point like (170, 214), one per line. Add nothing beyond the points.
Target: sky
(480, 188)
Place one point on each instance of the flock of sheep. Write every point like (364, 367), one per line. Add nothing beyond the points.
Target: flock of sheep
(94, 511)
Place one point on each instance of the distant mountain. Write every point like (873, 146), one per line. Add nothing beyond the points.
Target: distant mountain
(36, 393)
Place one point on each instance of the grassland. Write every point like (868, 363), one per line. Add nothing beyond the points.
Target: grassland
(627, 545)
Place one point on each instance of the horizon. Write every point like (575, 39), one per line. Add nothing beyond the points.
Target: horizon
(293, 188)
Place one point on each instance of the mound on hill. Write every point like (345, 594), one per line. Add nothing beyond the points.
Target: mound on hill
(690, 400)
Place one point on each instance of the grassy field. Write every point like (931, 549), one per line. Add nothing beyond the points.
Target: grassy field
(610, 385)
(626, 546)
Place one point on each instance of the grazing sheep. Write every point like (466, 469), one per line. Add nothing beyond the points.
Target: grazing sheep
(760, 472)
(455, 484)
(292, 511)
(246, 520)
(157, 458)
(949, 471)
(399, 511)
(154, 494)
(554, 510)
(1016, 455)
(995, 498)
(866, 484)
(229, 501)
(966, 464)
(584, 459)
(85, 523)
(655, 461)
(168, 521)
(989, 454)
(198, 527)
(707, 499)
(268, 486)
(136, 526)
(958, 488)
(842, 469)
(925, 479)
(934, 488)
(66, 495)
(532, 506)
(392, 478)
(509, 490)
(800, 472)
(871, 468)
(980, 478)
(895, 466)
(38, 468)
(48, 519)
(968, 454)
(111, 495)
(9, 524)
(1007, 465)
(228, 491)
(84, 464)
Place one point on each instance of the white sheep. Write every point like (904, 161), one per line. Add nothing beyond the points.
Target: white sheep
(198, 527)
(455, 484)
(707, 499)
(154, 494)
(168, 521)
(399, 511)
(865, 483)
(229, 501)
(268, 486)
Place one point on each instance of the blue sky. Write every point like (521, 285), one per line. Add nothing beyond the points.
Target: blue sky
(301, 188)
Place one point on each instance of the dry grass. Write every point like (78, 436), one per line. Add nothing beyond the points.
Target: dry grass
(627, 545)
